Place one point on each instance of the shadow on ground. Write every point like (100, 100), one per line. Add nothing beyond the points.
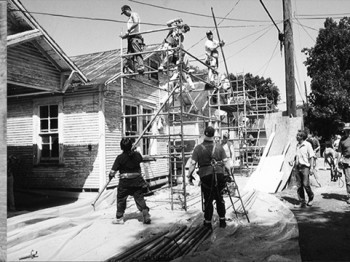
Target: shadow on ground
(30, 201)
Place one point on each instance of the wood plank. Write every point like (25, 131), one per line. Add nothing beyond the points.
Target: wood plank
(23, 37)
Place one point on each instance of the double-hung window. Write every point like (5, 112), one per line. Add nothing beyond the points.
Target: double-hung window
(48, 131)
(48, 115)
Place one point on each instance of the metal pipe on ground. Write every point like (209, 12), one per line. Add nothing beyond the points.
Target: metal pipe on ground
(141, 251)
(184, 242)
(131, 250)
(175, 245)
(167, 239)
(195, 239)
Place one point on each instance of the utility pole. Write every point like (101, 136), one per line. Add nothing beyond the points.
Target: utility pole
(3, 117)
(289, 57)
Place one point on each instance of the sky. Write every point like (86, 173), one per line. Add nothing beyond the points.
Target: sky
(252, 46)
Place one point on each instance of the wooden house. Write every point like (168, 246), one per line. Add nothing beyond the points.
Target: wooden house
(64, 118)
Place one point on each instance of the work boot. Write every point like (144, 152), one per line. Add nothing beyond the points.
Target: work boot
(146, 217)
(222, 222)
(311, 201)
(118, 221)
(207, 224)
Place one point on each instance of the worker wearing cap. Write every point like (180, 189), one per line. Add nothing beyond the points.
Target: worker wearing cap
(135, 40)
(174, 38)
(344, 158)
(212, 55)
(212, 176)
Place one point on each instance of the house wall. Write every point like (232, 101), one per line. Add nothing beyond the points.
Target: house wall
(136, 94)
(80, 132)
(39, 72)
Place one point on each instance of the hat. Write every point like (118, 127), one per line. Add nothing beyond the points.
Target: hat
(186, 28)
(346, 126)
(124, 8)
(209, 32)
(209, 131)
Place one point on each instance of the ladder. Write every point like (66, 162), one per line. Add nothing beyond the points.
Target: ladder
(234, 193)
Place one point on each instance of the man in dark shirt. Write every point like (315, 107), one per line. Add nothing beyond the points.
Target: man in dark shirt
(212, 161)
(131, 181)
(344, 157)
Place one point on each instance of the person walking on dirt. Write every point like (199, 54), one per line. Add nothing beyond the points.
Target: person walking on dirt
(131, 182)
(212, 55)
(304, 164)
(212, 160)
(344, 158)
(135, 41)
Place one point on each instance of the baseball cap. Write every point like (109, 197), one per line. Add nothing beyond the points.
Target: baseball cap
(209, 131)
(125, 7)
(346, 126)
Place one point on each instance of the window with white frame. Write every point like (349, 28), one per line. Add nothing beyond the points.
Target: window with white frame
(130, 122)
(48, 137)
(135, 125)
(48, 133)
(145, 121)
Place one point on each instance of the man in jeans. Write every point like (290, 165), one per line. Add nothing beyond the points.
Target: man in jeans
(135, 40)
(304, 165)
(344, 158)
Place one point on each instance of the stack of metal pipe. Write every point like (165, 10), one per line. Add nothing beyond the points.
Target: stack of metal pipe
(165, 246)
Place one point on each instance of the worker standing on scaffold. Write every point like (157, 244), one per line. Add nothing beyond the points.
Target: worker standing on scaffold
(172, 40)
(135, 41)
(212, 60)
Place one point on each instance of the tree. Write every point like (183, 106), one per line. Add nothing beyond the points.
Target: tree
(328, 65)
(265, 87)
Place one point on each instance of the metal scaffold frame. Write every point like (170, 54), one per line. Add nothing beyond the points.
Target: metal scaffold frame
(233, 107)
(174, 112)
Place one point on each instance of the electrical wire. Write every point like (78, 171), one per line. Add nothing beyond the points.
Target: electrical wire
(271, 26)
(305, 31)
(214, 28)
(272, 55)
(196, 14)
(120, 21)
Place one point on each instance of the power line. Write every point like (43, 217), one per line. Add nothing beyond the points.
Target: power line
(268, 62)
(119, 21)
(302, 15)
(306, 31)
(196, 14)
(250, 43)
(218, 24)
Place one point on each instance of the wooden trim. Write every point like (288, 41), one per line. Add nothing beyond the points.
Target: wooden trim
(68, 81)
(35, 87)
(23, 37)
(102, 140)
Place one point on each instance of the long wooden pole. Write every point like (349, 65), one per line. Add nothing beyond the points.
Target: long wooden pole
(222, 51)
(289, 58)
(3, 117)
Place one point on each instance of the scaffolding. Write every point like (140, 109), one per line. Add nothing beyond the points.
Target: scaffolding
(181, 109)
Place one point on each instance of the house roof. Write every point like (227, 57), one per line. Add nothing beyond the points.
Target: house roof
(103, 67)
(24, 29)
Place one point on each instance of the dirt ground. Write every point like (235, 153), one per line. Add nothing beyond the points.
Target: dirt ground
(324, 228)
